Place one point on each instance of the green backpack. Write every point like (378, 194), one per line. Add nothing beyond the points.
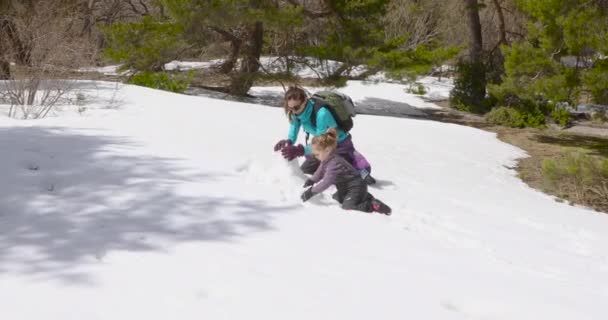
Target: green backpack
(340, 105)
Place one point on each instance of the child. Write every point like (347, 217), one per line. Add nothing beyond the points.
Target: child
(352, 190)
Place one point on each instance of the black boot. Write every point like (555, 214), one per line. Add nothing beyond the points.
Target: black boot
(381, 207)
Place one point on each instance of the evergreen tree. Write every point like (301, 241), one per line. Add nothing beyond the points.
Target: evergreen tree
(564, 50)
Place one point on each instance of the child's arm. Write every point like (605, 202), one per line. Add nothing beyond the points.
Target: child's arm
(318, 175)
(327, 179)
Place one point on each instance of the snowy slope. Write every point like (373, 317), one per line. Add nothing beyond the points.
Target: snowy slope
(161, 206)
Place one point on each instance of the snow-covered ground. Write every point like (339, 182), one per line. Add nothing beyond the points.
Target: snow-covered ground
(153, 205)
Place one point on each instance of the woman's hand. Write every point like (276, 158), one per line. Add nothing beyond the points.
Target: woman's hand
(290, 152)
(282, 144)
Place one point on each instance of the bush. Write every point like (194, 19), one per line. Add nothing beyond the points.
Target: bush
(469, 88)
(162, 81)
(579, 177)
(596, 81)
(562, 116)
(605, 168)
(416, 88)
(599, 117)
(505, 116)
(516, 117)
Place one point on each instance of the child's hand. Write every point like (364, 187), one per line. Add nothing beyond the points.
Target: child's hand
(308, 183)
(307, 194)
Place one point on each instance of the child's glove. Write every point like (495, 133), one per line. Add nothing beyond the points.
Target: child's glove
(290, 152)
(307, 194)
(281, 144)
(308, 183)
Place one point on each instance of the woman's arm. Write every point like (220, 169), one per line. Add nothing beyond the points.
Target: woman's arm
(294, 129)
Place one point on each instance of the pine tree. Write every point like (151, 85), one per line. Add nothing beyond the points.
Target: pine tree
(563, 51)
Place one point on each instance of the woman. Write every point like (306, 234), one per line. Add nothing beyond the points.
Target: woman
(300, 110)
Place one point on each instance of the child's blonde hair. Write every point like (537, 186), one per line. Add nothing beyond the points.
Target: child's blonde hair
(293, 93)
(327, 140)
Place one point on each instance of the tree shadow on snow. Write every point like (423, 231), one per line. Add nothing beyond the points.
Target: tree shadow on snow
(65, 202)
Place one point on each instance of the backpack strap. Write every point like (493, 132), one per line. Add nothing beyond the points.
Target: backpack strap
(318, 104)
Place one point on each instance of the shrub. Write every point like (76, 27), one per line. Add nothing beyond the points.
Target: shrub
(604, 169)
(599, 117)
(516, 117)
(505, 116)
(469, 88)
(162, 81)
(416, 88)
(562, 116)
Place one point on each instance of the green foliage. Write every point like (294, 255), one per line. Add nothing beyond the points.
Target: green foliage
(579, 177)
(505, 116)
(162, 81)
(604, 168)
(201, 19)
(358, 37)
(416, 88)
(145, 45)
(599, 117)
(469, 88)
(596, 80)
(562, 116)
(577, 167)
(532, 75)
(557, 29)
(550, 169)
(522, 116)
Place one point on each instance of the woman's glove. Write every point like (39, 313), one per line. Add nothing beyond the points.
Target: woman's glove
(307, 194)
(290, 152)
(281, 144)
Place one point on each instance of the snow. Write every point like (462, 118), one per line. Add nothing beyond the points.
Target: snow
(111, 70)
(191, 65)
(152, 205)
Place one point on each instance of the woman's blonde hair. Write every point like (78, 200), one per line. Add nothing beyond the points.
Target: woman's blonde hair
(293, 93)
(327, 140)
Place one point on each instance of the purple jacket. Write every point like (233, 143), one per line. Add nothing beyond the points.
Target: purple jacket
(335, 170)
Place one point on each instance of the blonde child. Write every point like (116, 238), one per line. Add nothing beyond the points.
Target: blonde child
(352, 191)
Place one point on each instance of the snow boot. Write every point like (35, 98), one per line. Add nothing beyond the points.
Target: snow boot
(380, 207)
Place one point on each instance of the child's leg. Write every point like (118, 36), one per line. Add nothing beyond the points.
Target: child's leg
(365, 203)
(310, 165)
(339, 196)
(357, 199)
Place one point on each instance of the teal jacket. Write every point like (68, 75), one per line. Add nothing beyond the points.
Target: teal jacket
(325, 120)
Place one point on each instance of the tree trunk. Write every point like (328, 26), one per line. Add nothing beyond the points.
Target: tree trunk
(476, 43)
(22, 51)
(88, 19)
(5, 70)
(5, 67)
(477, 77)
(243, 80)
(502, 30)
(229, 64)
